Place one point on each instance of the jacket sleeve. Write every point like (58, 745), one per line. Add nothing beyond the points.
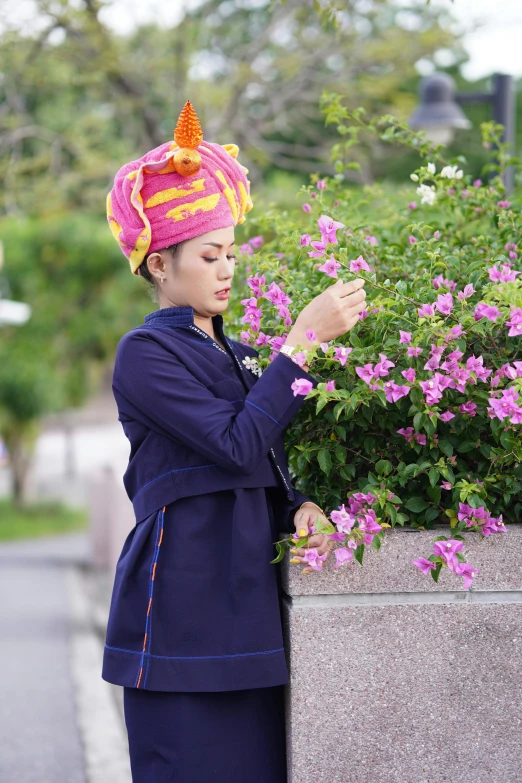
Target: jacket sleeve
(164, 394)
(284, 510)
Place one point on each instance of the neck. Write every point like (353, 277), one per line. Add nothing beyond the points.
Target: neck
(205, 324)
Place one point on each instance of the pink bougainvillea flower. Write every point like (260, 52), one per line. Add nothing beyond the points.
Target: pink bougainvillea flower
(420, 438)
(477, 183)
(307, 208)
(444, 304)
(412, 205)
(441, 282)
(447, 551)
(454, 332)
(412, 239)
(493, 525)
(342, 555)
(276, 295)
(363, 314)
(425, 310)
(328, 228)
(246, 249)
(257, 241)
(365, 373)
(336, 536)
(475, 364)
(460, 378)
(504, 204)
(515, 322)
(321, 184)
(468, 407)
(311, 335)
(330, 267)
(341, 353)
(343, 519)
(278, 341)
(255, 282)
(503, 275)
(446, 485)
(305, 240)
(394, 392)
(302, 386)
(253, 313)
(371, 239)
(382, 367)
(484, 310)
(409, 374)
(263, 339)
(468, 572)
(433, 363)
(413, 351)
(424, 565)
(245, 337)
(507, 405)
(319, 249)
(406, 432)
(324, 347)
(447, 416)
(313, 559)
(432, 390)
(367, 521)
(330, 386)
(358, 264)
(467, 292)
(405, 337)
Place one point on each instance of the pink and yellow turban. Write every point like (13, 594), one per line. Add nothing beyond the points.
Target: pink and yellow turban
(176, 192)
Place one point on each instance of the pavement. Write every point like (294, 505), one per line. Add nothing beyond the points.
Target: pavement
(59, 721)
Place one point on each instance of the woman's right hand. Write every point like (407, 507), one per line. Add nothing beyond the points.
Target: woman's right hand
(331, 314)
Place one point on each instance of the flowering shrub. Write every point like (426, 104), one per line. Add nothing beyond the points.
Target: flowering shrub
(416, 417)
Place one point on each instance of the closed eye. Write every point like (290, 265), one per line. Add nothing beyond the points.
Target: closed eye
(205, 258)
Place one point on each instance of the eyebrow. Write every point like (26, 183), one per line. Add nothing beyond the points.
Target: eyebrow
(215, 244)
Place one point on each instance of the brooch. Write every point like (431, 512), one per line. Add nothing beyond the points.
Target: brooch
(251, 364)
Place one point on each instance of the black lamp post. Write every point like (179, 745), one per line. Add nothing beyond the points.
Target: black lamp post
(439, 112)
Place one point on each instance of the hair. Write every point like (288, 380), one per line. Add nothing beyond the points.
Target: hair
(143, 269)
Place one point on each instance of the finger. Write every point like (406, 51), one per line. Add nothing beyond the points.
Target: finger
(342, 289)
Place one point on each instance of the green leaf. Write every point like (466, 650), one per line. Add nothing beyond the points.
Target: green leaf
(416, 504)
(433, 476)
(376, 542)
(383, 467)
(359, 553)
(325, 461)
(435, 572)
(446, 447)
(431, 514)
(321, 402)
(466, 446)
(281, 549)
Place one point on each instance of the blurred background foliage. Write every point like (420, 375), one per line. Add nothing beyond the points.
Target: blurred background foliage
(78, 100)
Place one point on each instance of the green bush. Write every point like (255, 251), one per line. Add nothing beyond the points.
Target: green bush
(452, 250)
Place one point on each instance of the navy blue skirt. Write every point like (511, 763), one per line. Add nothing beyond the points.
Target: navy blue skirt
(223, 737)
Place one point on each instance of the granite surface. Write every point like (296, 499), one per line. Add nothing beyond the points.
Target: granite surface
(498, 558)
(405, 694)
(412, 684)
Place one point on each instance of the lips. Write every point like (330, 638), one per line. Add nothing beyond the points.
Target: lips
(224, 290)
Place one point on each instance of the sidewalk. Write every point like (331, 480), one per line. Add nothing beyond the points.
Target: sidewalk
(58, 720)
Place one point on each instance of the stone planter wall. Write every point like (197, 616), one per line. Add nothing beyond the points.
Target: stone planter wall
(397, 679)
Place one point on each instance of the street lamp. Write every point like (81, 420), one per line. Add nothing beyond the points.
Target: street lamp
(439, 112)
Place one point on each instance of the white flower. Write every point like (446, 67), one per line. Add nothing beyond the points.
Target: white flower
(452, 172)
(428, 194)
(431, 168)
(414, 177)
(251, 364)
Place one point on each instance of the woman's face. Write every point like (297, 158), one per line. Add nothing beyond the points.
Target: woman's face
(202, 268)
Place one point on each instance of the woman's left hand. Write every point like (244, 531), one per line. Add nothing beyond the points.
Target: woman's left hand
(304, 519)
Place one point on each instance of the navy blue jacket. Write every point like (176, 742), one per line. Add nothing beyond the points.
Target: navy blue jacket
(195, 604)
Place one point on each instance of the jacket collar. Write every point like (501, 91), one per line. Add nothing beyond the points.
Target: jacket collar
(178, 316)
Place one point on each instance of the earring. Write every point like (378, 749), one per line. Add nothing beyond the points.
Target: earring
(163, 279)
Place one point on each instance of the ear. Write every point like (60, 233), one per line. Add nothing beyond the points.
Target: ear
(155, 264)
(232, 149)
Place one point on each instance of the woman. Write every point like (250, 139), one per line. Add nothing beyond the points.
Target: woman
(194, 633)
